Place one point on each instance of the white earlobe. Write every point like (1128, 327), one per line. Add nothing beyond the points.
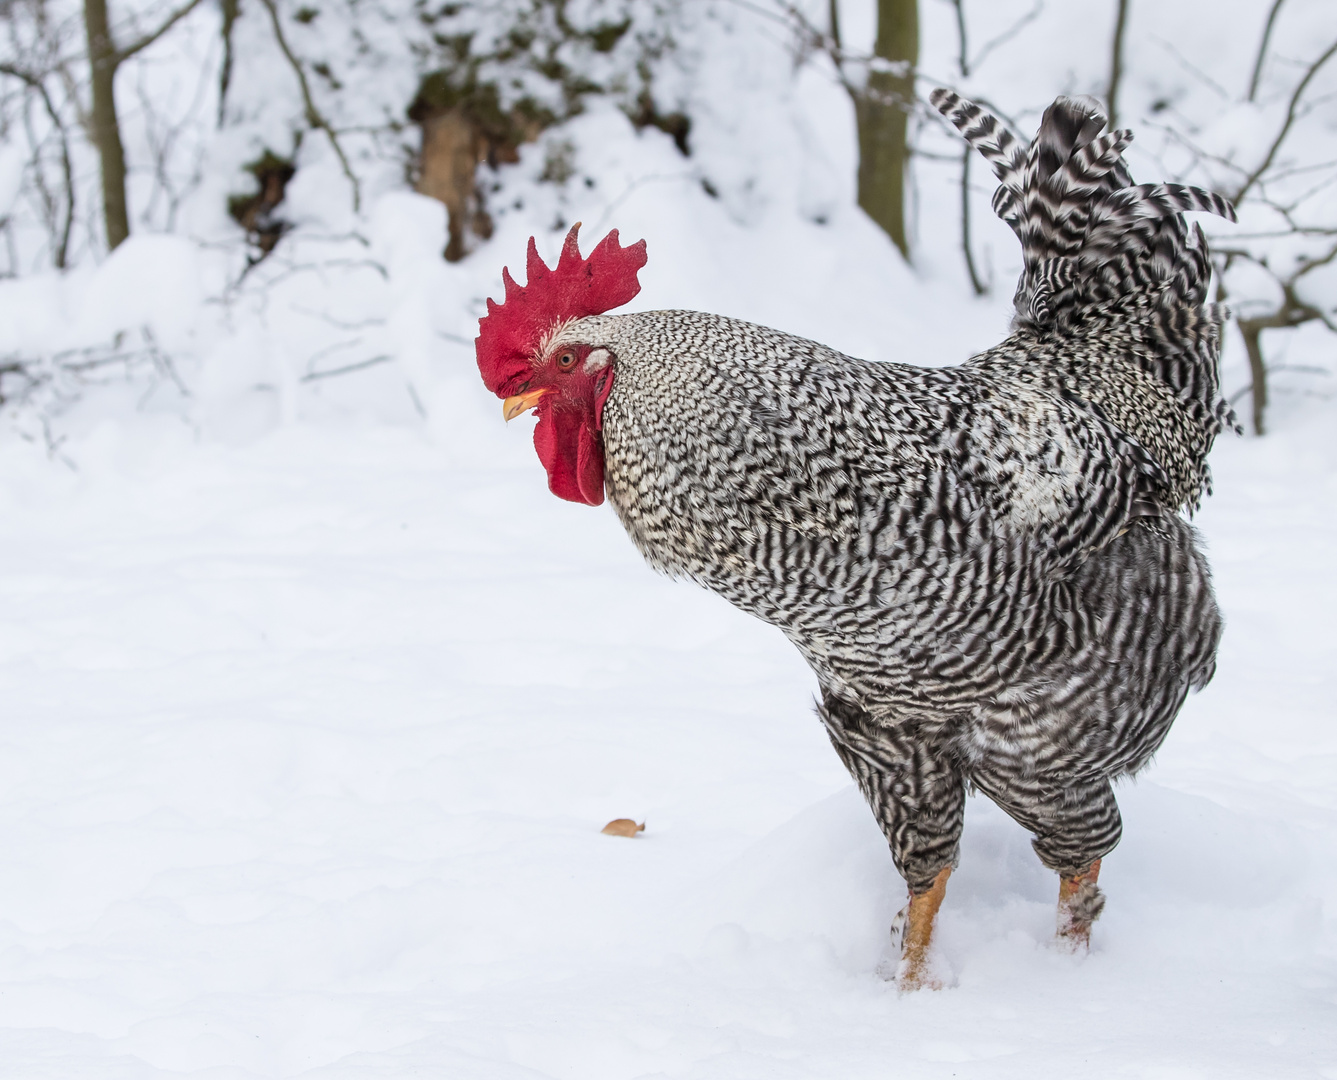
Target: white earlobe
(597, 359)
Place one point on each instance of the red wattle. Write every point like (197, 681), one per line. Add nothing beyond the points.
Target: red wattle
(603, 389)
(590, 465)
(572, 454)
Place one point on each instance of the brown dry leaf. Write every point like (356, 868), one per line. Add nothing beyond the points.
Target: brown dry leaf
(623, 826)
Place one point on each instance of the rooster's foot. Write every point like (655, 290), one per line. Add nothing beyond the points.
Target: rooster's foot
(914, 929)
(1080, 903)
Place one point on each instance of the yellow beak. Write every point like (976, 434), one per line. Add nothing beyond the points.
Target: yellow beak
(520, 403)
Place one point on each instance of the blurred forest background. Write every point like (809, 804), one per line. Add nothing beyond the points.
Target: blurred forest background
(274, 139)
(316, 699)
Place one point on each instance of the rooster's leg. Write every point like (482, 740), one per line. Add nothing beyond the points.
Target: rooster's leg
(915, 923)
(1075, 827)
(918, 798)
(1080, 903)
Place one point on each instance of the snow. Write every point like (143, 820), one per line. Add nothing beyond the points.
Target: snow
(316, 700)
(310, 742)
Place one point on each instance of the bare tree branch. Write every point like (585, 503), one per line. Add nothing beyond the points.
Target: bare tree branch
(347, 369)
(230, 10)
(967, 152)
(975, 283)
(1290, 313)
(1116, 63)
(1006, 36)
(121, 55)
(38, 84)
(1192, 68)
(1262, 49)
(314, 116)
(963, 54)
(1258, 188)
(1300, 88)
(163, 136)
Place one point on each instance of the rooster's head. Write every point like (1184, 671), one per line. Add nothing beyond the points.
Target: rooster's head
(526, 358)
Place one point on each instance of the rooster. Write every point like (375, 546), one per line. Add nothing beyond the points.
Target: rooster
(987, 566)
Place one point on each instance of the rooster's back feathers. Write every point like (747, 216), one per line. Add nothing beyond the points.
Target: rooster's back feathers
(1112, 277)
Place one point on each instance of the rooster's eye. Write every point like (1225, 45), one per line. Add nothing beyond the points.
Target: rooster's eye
(566, 361)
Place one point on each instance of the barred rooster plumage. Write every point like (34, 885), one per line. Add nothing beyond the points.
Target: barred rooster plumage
(987, 566)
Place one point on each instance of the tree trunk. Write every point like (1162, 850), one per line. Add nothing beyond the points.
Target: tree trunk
(451, 151)
(882, 111)
(1252, 334)
(106, 129)
(230, 9)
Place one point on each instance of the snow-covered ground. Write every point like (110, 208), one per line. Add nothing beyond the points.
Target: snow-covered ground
(316, 700)
(308, 743)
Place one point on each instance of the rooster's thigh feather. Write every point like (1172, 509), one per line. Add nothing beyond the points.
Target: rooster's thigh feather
(1071, 826)
(1149, 628)
(1046, 749)
(916, 793)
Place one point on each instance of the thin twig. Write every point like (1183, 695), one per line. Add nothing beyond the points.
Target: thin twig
(975, 283)
(1277, 234)
(963, 54)
(121, 55)
(312, 376)
(342, 324)
(967, 152)
(314, 116)
(1116, 64)
(1262, 49)
(1291, 108)
(627, 192)
(329, 350)
(1296, 170)
(1006, 36)
(36, 83)
(163, 136)
(1290, 207)
(1192, 68)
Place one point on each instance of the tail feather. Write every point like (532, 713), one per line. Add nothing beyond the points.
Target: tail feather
(985, 132)
(1066, 166)
(1109, 260)
(1161, 200)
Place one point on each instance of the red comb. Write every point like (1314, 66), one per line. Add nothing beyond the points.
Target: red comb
(510, 332)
